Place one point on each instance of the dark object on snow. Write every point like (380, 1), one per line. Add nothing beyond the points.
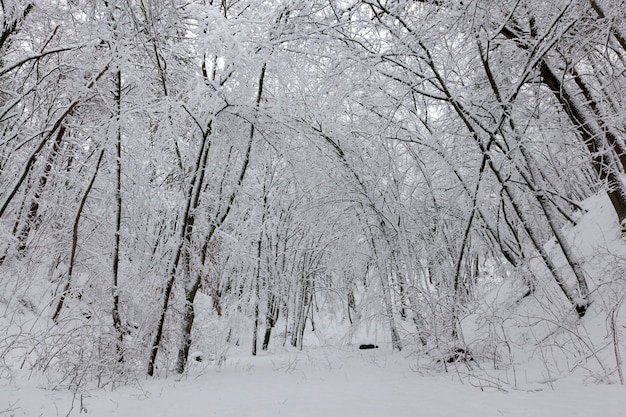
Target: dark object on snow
(368, 346)
(458, 355)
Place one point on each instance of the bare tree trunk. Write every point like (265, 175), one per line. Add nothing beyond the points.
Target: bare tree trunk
(188, 319)
(256, 295)
(192, 288)
(537, 186)
(186, 227)
(300, 313)
(464, 244)
(271, 316)
(602, 152)
(68, 285)
(351, 304)
(395, 336)
(115, 310)
(621, 39)
(257, 279)
(32, 220)
(12, 27)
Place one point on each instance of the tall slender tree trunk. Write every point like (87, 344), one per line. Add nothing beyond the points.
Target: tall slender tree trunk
(536, 183)
(395, 335)
(70, 273)
(192, 287)
(32, 218)
(183, 240)
(462, 249)
(257, 278)
(301, 307)
(115, 310)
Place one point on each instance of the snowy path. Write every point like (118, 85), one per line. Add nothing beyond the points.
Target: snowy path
(374, 385)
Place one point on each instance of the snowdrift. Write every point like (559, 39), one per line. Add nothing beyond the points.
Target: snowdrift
(537, 336)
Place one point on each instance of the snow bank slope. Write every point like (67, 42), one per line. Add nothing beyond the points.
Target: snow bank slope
(541, 333)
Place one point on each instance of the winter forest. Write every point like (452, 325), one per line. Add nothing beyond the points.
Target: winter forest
(185, 179)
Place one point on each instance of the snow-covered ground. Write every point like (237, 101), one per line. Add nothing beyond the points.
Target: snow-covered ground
(321, 382)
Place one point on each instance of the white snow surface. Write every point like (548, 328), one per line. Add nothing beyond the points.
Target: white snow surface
(322, 382)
